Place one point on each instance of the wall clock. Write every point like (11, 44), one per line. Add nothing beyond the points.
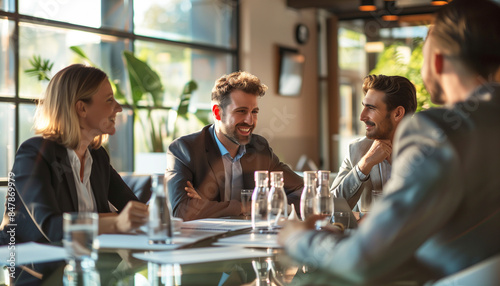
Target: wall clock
(301, 34)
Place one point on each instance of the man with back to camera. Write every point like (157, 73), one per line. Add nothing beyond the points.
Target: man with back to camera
(441, 211)
(388, 99)
(206, 170)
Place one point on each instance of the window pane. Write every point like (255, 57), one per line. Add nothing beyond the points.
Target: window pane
(177, 65)
(7, 85)
(352, 54)
(117, 14)
(7, 5)
(7, 140)
(26, 115)
(54, 44)
(120, 146)
(80, 12)
(203, 21)
(150, 136)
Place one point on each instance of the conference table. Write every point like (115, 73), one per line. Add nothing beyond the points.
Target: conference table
(209, 252)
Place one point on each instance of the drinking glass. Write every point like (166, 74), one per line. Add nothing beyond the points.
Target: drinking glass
(74, 275)
(246, 200)
(343, 218)
(79, 236)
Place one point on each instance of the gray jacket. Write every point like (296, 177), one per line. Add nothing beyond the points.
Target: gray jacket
(348, 185)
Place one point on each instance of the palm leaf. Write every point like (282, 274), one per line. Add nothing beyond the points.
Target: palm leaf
(143, 80)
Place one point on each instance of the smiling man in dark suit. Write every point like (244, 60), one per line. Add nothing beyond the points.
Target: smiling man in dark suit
(206, 170)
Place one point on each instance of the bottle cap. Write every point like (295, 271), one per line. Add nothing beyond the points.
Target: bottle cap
(309, 178)
(323, 175)
(277, 178)
(261, 177)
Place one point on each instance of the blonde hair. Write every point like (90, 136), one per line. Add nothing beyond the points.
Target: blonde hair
(56, 117)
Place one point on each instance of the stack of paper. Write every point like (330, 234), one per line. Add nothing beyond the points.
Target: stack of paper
(141, 241)
(199, 255)
(217, 224)
(251, 240)
(30, 252)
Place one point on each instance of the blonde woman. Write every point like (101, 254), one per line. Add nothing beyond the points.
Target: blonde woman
(66, 169)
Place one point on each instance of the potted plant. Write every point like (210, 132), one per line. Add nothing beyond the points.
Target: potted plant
(145, 85)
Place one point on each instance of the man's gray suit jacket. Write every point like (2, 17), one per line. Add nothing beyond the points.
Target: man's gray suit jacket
(348, 185)
(441, 208)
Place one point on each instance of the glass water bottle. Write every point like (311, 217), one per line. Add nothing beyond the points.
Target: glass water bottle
(160, 228)
(277, 201)
(308, 197)
(259, 200)
(324, 199)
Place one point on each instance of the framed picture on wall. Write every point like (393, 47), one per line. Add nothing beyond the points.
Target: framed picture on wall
(291, 69)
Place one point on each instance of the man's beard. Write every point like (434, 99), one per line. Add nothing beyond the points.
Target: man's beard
(383, 131)
(236, 138)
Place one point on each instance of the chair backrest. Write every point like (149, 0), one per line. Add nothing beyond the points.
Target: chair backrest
(484, 273)
(140, 184)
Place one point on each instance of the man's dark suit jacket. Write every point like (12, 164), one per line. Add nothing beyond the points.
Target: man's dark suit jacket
(197, 158)
(45, 189)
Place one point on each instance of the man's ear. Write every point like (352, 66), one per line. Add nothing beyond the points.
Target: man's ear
(398, 113)
(438, 63)
(216, 111)
(81, 109)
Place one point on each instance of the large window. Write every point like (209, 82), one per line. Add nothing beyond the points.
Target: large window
(181, 40)
(377, 47)
(373, 46)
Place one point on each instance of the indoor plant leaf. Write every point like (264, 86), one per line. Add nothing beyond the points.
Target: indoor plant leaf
(143, 80)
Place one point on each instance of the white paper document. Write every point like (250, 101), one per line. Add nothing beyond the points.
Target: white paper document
(141, 241)
(199, 255)
(217, 224)
(30, 252)
(257, 240)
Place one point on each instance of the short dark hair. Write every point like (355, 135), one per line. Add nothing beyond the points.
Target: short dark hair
(240, 80)
(470, 31)
(399, 91)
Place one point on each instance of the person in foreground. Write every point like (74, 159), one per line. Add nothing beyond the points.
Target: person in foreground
(206, 170)
(441, 211)
(388, 99)
(66, 169)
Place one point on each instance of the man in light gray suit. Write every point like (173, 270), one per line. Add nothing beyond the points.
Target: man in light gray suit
(441, 210)
(388, 99)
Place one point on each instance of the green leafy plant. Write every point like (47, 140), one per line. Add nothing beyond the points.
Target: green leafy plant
(145, 86)
(41, 68)
(392, 62)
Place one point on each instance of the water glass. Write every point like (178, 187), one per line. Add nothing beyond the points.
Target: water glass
(79, 235)
(343, 218)
(75, 275)
(246, 200)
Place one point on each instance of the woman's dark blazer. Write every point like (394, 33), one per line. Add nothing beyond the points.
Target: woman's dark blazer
(42, 188)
